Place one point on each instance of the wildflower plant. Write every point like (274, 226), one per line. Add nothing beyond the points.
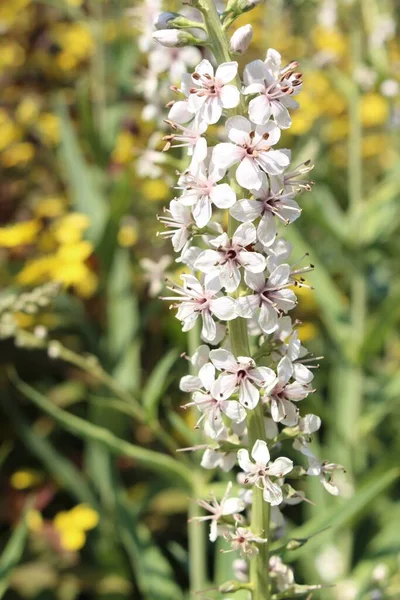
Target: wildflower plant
(252, 370)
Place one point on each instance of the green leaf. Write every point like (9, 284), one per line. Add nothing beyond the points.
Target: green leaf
(80, 180)
(156, 462)
(155, 576)
(59, 467)
(157, 383)
(13, 551)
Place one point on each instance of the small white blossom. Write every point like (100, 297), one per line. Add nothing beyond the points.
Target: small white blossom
(260, 471)
(275, 87)
(155, 273)
(229, 256)
(244, 540)
(190, 137)
(241, 39)
(213, 458)
(194, 300)
(209, 94)
(284, 394)
(281, 573)
(178, 223)
(226, 507)
(251, 148)
(240, 375)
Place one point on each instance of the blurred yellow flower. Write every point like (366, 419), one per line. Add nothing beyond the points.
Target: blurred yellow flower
(24, 479)
(127, 235)
(18, 154)
(48, 126)
(84, 517)
(9, 131)
(50, 207)
(72, 525)
(9, 11)
(34, 520)
(69, 229)
(374, 110)
(27, 111)
(307, 331)
(76, 42)
(330, 41)
(72, 539)
(155, 190)
(374, 145)
(19, 234)
(123, 151)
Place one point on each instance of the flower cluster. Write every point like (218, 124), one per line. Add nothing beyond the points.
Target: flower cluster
(241, 276)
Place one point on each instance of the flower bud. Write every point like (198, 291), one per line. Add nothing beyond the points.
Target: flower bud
(162, 21)
(238, 7)
(175, 38)
(241, 39)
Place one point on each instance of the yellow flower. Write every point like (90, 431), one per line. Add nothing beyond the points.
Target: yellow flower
(12, 55)
(155, 190)
(9, 131)
(374, 145)
(50, 207)
(74, 2)
(84, 517)
(72, 539)
(36, 270)
(127, 235)
(48, 126)
(69, 229)
(19, 234)
(27, 111)
(24, 479)
(18, 154)
(307, 331)
(9, 11)
(76, 42)
(331, 41)
(374, 110)
(34, 520)
(123, 151)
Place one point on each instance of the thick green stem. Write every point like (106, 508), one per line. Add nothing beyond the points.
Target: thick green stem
(259, 564)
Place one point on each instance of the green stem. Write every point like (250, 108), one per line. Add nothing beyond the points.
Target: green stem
(259, 565)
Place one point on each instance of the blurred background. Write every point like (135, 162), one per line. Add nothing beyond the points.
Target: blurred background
(94, 498)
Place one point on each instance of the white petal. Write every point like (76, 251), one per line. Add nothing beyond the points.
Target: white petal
(223, 360)
(232, 506)
(225, 155)
(246, 306)
(223, 196)
(238, 129)
(212, 110)
(210, 459)
(246, 210)
(245, 234)
(233, 410)
(252, 261)
(256, 281)
(207, 376)
(230, 277)
(229, 96)
(311, 423)
(272, 493)
(274, 133)
(180, 112)
(248, 394)
(254, 71)
(223, 308)
(273, 162)
(280, 467)
(188, 383)
(226, 72)
(260, 110)
(207, 260)
(266, 230)
(208, 329)
(268, 319)
(224, 386)
(213, 530)
(330, 487)
(260, 453)
(279, 276)
(285, 370)
(204, 68)
(281, 115)
(244, 461)
(248, 174)
(202, 212)
(285, 299)
(302, 374)
(264, 376)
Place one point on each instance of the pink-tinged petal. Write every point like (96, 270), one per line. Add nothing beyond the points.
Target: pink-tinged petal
(285, 299)
(191, 283)
(302, 374)
(248, 174)
(292, 210)
(291, 417)
(238, 129)
(209, 330)
(248, 394)
(202, 211)
(199, 152)
(188, 321)
(179, 239)
(273, 61)
(272, 493)
(264, 377)
(255, 281)
(223, 196)
(245, 234)
(204, 68)
(280, 467)
(186, 84)
(234, 411)
(229, 96)
(230, 277)
(224, 386)
(274, 133)
(273, 162)
(254, 88)
(188, 383)
(226, 72)
(225, 155)
(180, 113)
(244, 461)
(232, 506)
(246, 210)
(212, 110)
(246, 306)
(277, 410)
(254, 72)
(297, 391)
(252, 261)
(207, 260)
(196, 103)
(266, 230)
(223, 360)
(281, 115)
(279, 276)
(284, 370)
(207, 376)
(268, 319)
(260, 110)
(223, 308)
(260, 453)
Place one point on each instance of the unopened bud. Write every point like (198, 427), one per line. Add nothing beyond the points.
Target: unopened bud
(175, 38)
(241, 39)
(162, 21)
(238, 7)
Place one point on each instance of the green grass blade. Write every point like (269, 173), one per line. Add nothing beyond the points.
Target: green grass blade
(13, 551)
(157, 383)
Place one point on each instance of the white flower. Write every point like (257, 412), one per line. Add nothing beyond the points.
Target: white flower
(194, 300)
(155, 273)
(190, 137)
(323, 470)
(244, 540)
(251, 148)
(227, 506)
(275, 88)
(282, 574)
(241, 39)
(270, 201)
(284, 394)
(260, 471)
(211, 408)
(207, 94)
(225, 261)
(175, 61)
(213, 458)
(242, 375)
(200, 191)
(270, 297)
(179, 223)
